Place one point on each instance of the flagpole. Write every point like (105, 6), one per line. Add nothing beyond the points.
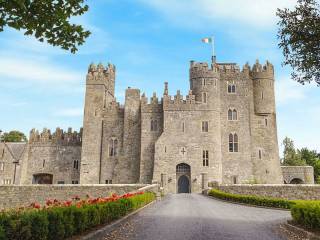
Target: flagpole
(213, 57)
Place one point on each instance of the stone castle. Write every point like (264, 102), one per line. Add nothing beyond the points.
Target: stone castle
(223, 131)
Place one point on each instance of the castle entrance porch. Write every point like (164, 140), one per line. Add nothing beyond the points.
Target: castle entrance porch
(42, 178)
(183, 172)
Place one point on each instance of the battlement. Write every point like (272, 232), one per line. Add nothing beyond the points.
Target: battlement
(101, 74)
(58, 137)
(202, 70)
(179, 101)
(228, 67)
(262, 71)
(113, 107)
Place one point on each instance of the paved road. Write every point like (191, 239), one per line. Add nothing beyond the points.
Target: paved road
(197, 217)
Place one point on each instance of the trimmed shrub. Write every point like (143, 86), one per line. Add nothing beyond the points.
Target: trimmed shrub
(63, 220)
(56, 224)
(251, 199)
(307, 213)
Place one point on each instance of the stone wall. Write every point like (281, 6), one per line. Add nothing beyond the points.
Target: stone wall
(287, 191)
(24, 195)
(298, 174)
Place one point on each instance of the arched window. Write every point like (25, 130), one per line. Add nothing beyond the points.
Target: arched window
(76, 164)
(154, 125)
(231, 88)
(233, 143)
(229, 114)
(113, 147)
(232, 114)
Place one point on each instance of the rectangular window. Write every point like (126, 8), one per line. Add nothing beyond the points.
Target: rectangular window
(75, 182)
(234, 179)
(60, 182)
(205, 158)
(1, 166)
(205, 126)
(260, 154)
(76, 164)
(204, 97)
(108, 181)
(266, 122)
(183, 127)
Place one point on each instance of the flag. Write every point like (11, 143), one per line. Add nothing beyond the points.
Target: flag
(207, 40)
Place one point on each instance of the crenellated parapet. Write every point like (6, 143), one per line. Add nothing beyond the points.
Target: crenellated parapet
(228, 68)
(58, 137)
(151, 105)
(101, 75)
(112, 108)
(180, 102)
(262, 71)
(202, 70)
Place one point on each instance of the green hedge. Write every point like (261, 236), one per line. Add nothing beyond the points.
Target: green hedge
(56, 223)
(251, 199)
(307, 213)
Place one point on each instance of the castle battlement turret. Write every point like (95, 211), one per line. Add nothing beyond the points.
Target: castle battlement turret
(263, 88)
(58, 137)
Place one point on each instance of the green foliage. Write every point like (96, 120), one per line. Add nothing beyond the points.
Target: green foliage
(46, 20)
(304, 156)
(14, 136)
(307, 213)
(253, 200)
(299, 34)
(290, 156)
(56, 224)
(64, 222)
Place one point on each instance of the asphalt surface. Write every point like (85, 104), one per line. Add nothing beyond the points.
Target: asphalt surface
(197, 217)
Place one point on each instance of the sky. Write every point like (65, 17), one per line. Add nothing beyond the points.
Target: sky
(150, 42)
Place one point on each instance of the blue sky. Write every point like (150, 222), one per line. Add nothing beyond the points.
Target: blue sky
(150, 42)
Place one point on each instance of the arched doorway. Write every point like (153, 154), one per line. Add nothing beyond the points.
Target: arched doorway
(183, 172)
(42, 178)
(296, 181)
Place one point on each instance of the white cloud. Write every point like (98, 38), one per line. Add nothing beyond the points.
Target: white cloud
(33, 70)
(287, 90)
(69, 112)
(259, 13)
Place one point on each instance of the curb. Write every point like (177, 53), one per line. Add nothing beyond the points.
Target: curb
(100, 232)
(300, 231)
(249, 205)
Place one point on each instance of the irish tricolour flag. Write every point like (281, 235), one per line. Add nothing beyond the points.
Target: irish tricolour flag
(207, 40)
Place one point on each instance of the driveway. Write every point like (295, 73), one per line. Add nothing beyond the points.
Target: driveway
(195, 217)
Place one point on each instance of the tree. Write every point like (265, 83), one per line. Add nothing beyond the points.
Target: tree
(14, 136)
(299, 34)
(290, 156)
(46, 20)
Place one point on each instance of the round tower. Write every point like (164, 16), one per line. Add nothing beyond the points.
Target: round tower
(205, 84)
(263, 88)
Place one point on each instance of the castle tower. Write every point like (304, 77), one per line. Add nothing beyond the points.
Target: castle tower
(264, 126)
(205, 84)
(263, 88)
(132, 135)
(99, 92)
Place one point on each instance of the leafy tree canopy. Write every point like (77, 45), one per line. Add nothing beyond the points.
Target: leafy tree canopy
(46, 20)
(14, 136)
(299, 34)
(304, 156)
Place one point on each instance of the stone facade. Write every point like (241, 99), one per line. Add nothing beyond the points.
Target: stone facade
(224, 131)
(160, 140)
(298, 174)
(46, 159)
